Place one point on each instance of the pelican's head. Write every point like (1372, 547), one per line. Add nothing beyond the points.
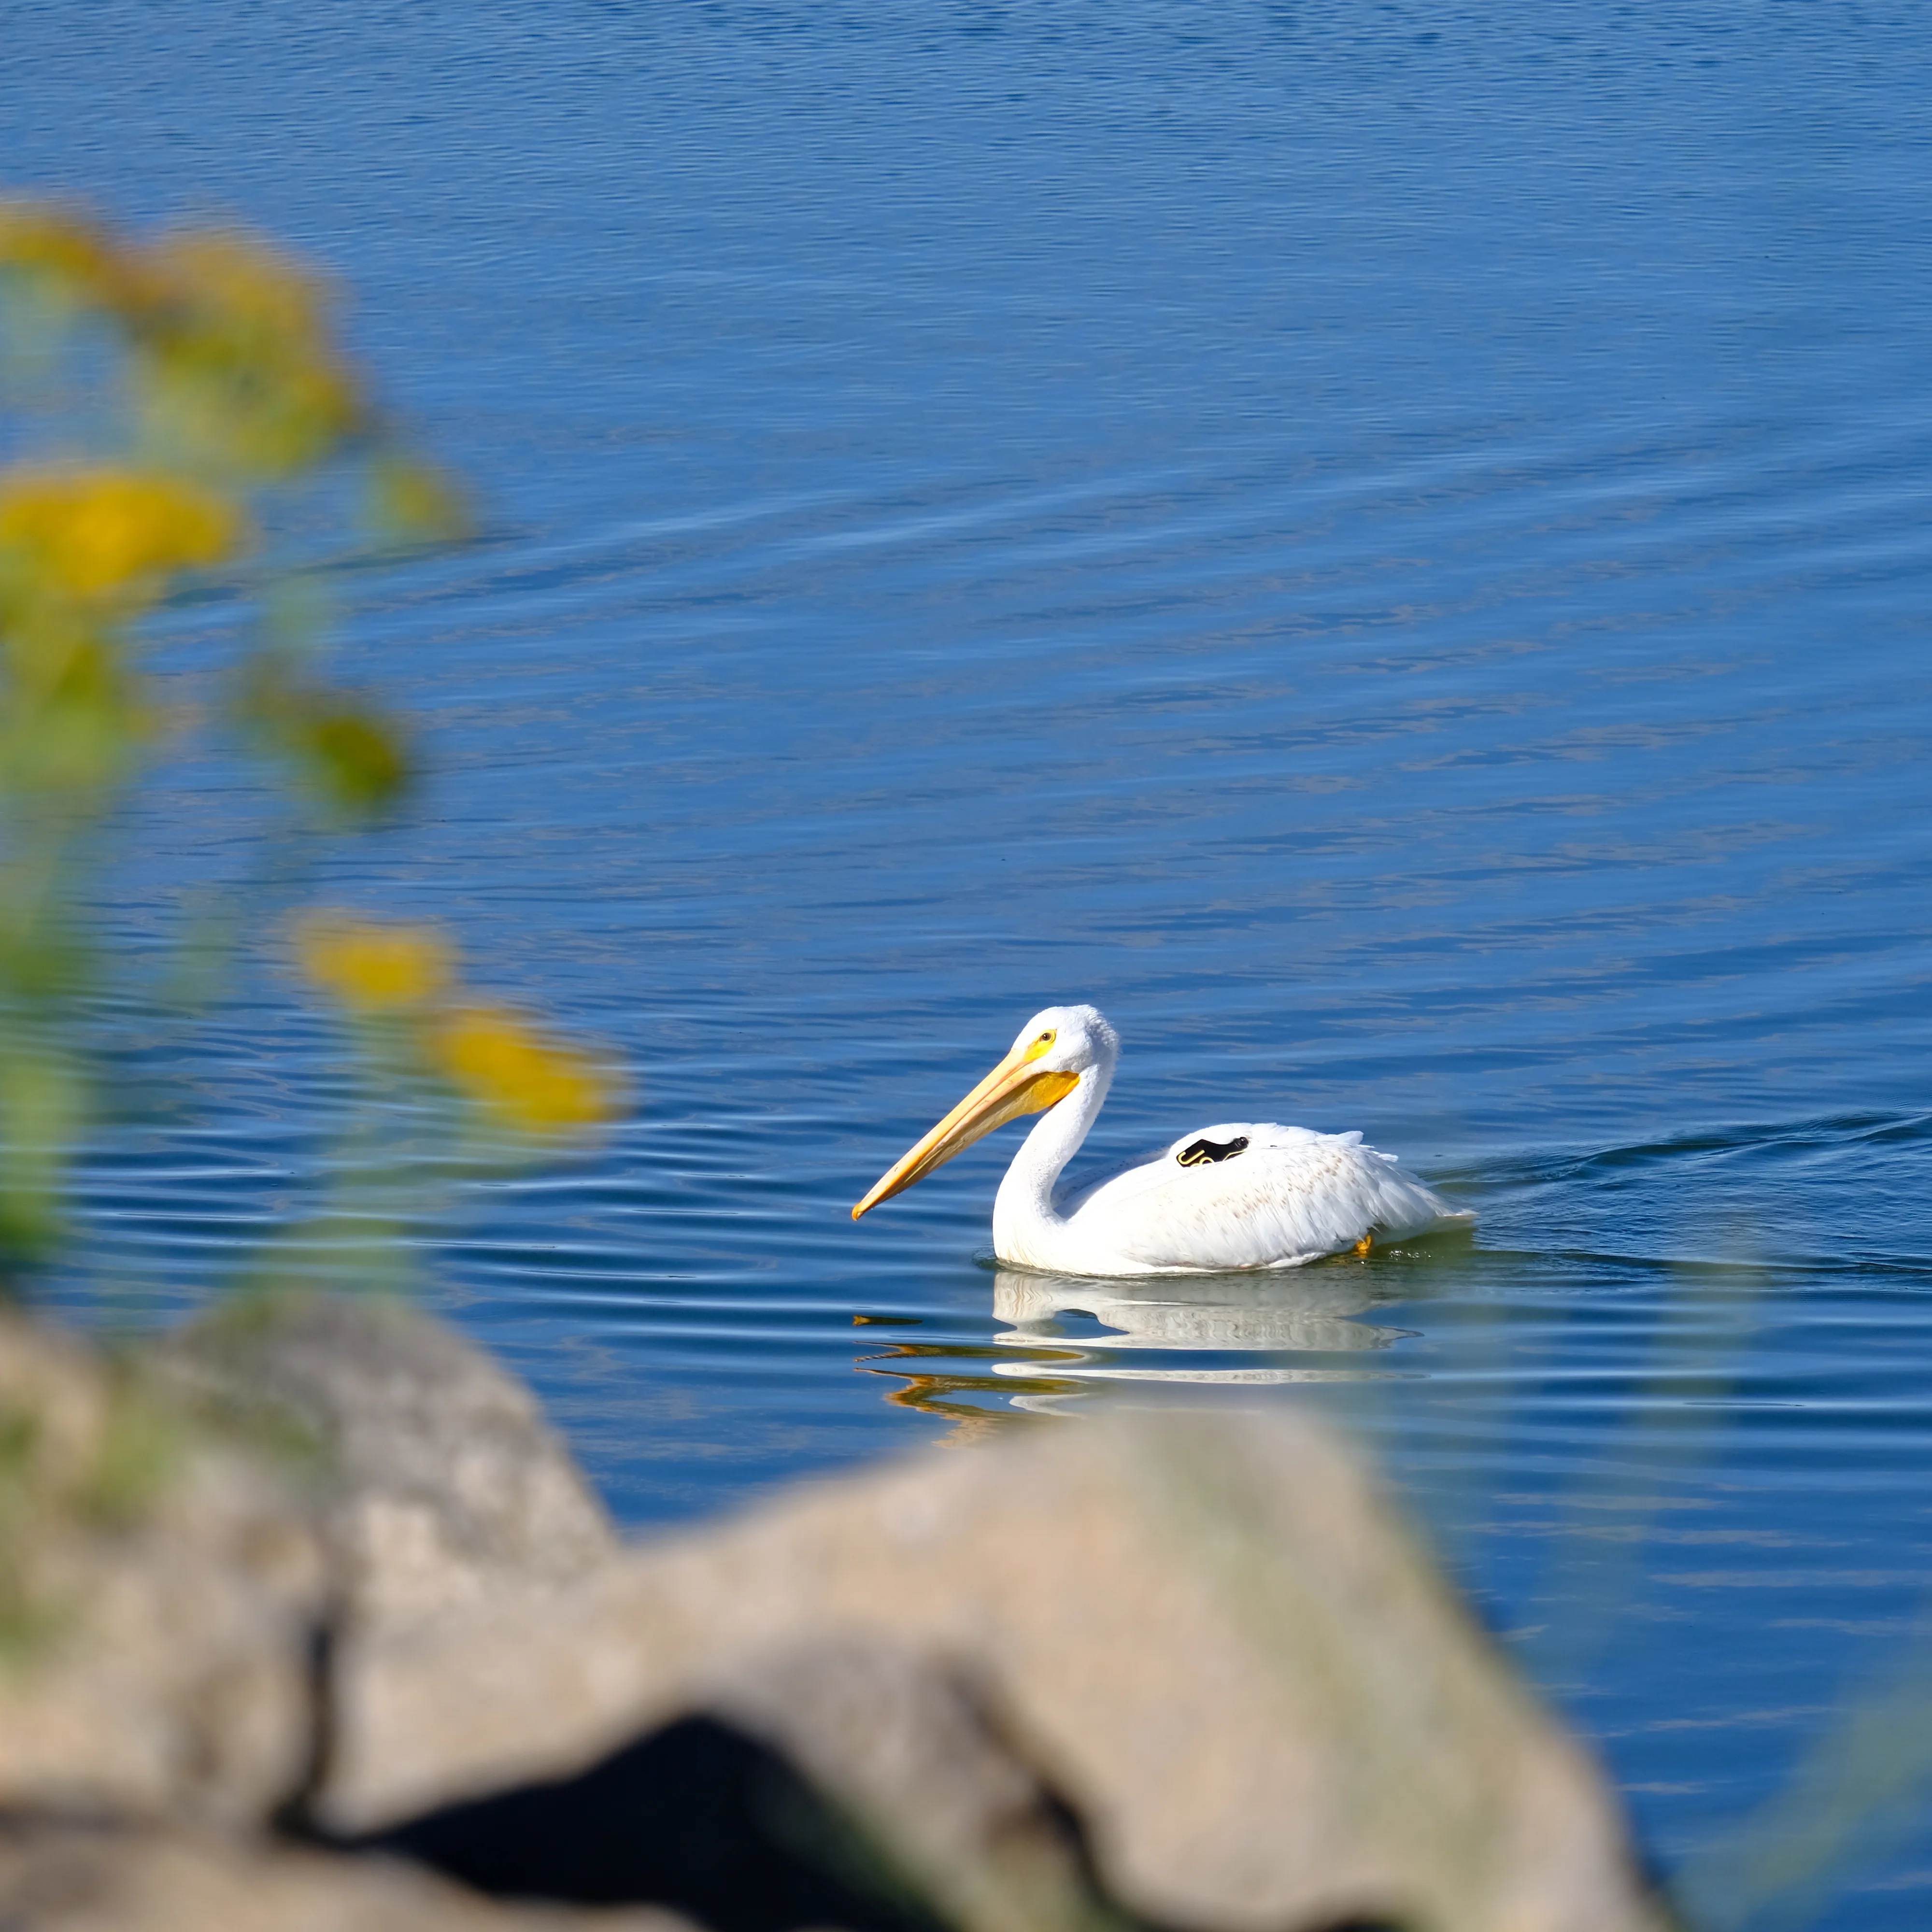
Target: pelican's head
(1054, 1049)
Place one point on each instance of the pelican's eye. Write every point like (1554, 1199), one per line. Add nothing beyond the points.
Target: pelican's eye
(1041, 1044)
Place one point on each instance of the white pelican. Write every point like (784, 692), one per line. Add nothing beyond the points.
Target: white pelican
(1241, 1195)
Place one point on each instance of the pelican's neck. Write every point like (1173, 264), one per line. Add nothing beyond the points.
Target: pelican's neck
(1023, 1207)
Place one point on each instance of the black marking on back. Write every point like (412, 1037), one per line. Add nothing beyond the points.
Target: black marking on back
(1199, 1154)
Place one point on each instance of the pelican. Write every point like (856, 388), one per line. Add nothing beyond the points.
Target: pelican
(1240, 1195)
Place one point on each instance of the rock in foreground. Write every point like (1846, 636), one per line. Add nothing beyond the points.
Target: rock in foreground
(1188, 1673)
(159, 1594)
(1205, 1641)
(440, 1482)
(77, 1878)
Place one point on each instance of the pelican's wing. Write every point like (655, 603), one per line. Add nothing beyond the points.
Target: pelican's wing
(1289, 1195)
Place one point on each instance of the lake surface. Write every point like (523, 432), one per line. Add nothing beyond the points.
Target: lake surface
(1385, 546)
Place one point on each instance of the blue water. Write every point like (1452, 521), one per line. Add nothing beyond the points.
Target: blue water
(1385, 546)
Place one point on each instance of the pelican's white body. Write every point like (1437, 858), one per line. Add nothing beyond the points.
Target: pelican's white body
(1290, 1196)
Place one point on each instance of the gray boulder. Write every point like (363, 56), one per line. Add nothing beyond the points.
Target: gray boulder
(159, 1600)
(438, 1479)
(1188, 1672)
(1206, 1640)
(182, 1535)
(76, 1878)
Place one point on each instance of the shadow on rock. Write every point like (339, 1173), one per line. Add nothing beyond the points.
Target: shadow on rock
(698, 1816)
(702, 1818)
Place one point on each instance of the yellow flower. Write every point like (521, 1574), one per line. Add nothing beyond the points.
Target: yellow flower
(248, 288)
(57, 246)
(88, 533)
(40, 238)
(373, 968)
(238, 359)
(513, 1072)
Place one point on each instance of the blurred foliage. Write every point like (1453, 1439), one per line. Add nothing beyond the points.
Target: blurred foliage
(398, 982)
(80, 1453)
(177, 410)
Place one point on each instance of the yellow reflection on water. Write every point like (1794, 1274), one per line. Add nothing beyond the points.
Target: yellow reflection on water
(959, 1394)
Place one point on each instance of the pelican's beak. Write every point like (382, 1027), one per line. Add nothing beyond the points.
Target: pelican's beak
(1015, 1087)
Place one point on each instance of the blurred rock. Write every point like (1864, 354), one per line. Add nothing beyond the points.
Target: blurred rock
(76, 1879)
(440, 1482)
(159, 1593)
(1187, 1672)
(1206, 1640)
(859, 1786)
(906, 1745)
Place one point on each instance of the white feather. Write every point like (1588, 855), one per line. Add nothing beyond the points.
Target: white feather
(1291, 1195)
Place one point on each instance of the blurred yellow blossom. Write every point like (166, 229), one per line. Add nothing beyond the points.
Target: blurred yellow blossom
(256, 295)
(241, 370)
(235, 364)
(91, 533)
(163, 398)
(60, 246)
(519, 1075)
(514, 1072)
(414, 502)
(372, 968)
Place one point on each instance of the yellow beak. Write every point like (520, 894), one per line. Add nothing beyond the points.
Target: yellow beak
(1014, 1086)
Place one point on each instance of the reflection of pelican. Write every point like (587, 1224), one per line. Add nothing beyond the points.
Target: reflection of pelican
(1243, 1312)
(1242, 1195)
